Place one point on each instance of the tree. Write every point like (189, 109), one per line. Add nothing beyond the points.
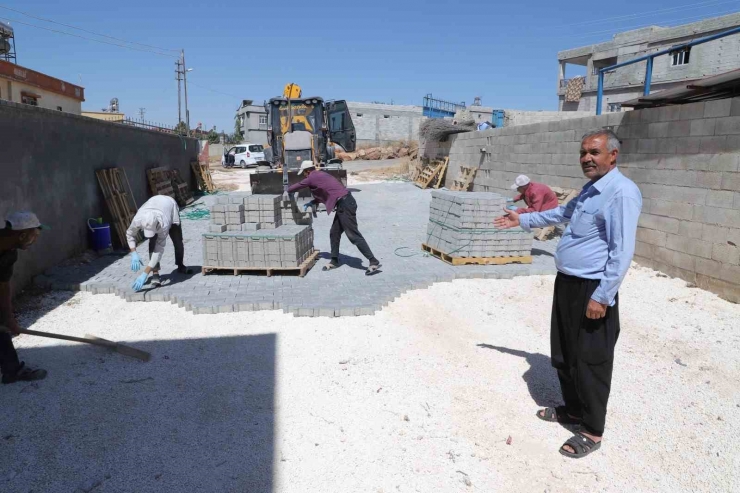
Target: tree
(181, 129)
(213, 137)
(238, 133)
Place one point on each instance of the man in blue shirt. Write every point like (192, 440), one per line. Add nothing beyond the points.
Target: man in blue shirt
(592, 259)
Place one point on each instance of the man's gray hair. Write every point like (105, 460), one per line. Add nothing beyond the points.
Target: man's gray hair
(612, 141)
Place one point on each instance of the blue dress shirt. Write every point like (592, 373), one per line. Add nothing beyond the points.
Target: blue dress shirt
(599, 242)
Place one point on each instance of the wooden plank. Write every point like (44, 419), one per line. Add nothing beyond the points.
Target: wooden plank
(442, 171)
(302, 269)
(475, 260)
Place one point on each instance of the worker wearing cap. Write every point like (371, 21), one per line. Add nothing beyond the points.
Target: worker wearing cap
(158, 218)
(329, 191)
(538, 196)
(20, 232)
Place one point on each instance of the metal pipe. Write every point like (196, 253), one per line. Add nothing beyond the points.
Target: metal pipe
(648, 77)
(674, 48)
(653, 55)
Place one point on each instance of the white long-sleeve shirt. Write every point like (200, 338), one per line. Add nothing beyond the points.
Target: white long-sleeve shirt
(158, 214)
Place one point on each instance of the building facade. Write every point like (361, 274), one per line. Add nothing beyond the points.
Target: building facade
(253, 120)
(26, 86)
(669, 71)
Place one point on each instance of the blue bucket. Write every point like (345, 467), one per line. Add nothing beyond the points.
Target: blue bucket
(99, 235)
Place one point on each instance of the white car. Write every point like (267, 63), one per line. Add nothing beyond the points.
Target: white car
(243, 155)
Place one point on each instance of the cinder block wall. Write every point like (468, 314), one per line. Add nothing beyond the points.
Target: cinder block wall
(685, 159)
(380, 124)
(48, 164)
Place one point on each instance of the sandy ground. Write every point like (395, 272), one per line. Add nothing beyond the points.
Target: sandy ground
(420, 397)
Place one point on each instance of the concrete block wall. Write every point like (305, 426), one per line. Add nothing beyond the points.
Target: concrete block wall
(380, 124)
(685, 159)
(48, 163)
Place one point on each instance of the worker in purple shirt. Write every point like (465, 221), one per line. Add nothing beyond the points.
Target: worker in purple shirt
(329, 191)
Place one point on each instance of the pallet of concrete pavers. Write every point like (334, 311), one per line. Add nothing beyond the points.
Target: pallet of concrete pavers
(475, 260)
(301, 269)
(283, 249)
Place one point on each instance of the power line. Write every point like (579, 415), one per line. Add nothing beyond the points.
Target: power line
(84, 30)
(633, 27)
(89, 39)
(214, 90)
(679, 8)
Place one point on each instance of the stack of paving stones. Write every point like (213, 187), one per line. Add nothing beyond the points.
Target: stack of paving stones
(284, 246)
(461, 225)
(291, 214)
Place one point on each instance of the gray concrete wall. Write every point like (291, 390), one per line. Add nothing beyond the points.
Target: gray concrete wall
(48, 164)
(685, 159)
(519, 117)
(380, 124)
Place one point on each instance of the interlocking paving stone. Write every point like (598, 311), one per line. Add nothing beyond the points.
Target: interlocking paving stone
(391, 216)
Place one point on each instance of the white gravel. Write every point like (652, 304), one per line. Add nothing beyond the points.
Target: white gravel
(405, 400)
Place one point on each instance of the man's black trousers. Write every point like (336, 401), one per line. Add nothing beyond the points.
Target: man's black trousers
(9, 363)
(176, 237)
(345, 221)
(583, 350)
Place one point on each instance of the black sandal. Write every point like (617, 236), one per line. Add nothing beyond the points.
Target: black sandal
(582, 445)
(557, 415)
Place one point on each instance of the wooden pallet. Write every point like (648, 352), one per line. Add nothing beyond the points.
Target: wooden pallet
(432, 174)
(203, 177)
(475, 260)
(464, 179)
(160, 182)
(183, 195)
(301, 270)
(119, 199)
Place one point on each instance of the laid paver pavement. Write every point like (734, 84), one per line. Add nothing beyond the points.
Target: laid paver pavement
(392, 217)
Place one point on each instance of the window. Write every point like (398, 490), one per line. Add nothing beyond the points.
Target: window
(359, 115)
(29, 99)
(336, 121)
(680, 57)
(59, 108)
(614, 107)
(263, 119)
(255, 148)
(386, 116)
(241, 150)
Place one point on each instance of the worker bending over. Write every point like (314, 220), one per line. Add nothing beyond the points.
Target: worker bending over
(158, 218)
(538, 196)
(329, 191)
(20, 232)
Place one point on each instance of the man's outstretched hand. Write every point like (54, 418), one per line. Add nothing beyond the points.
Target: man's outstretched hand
(510, 219)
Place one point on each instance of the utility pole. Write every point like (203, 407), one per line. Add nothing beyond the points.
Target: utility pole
(185, 83)
(142, 111)
(178, 73)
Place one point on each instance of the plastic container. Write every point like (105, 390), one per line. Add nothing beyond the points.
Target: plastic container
(99, 235)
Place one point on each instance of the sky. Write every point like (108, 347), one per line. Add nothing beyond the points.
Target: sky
(385, 51)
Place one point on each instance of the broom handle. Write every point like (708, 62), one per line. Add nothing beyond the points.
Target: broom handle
(95, 342)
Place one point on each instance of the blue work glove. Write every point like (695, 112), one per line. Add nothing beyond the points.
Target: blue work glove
(307, 205)
(135, 261)
(140, 281)
(510, 199)
(512, 207)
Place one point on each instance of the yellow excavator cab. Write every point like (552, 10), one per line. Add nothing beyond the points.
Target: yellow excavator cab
(292, 91)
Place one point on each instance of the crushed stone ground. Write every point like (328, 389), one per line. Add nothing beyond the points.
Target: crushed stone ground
(419, 397)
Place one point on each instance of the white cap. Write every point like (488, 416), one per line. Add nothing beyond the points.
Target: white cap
(520, 181)
(150, 228)
(306, 165)
(19, 221)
